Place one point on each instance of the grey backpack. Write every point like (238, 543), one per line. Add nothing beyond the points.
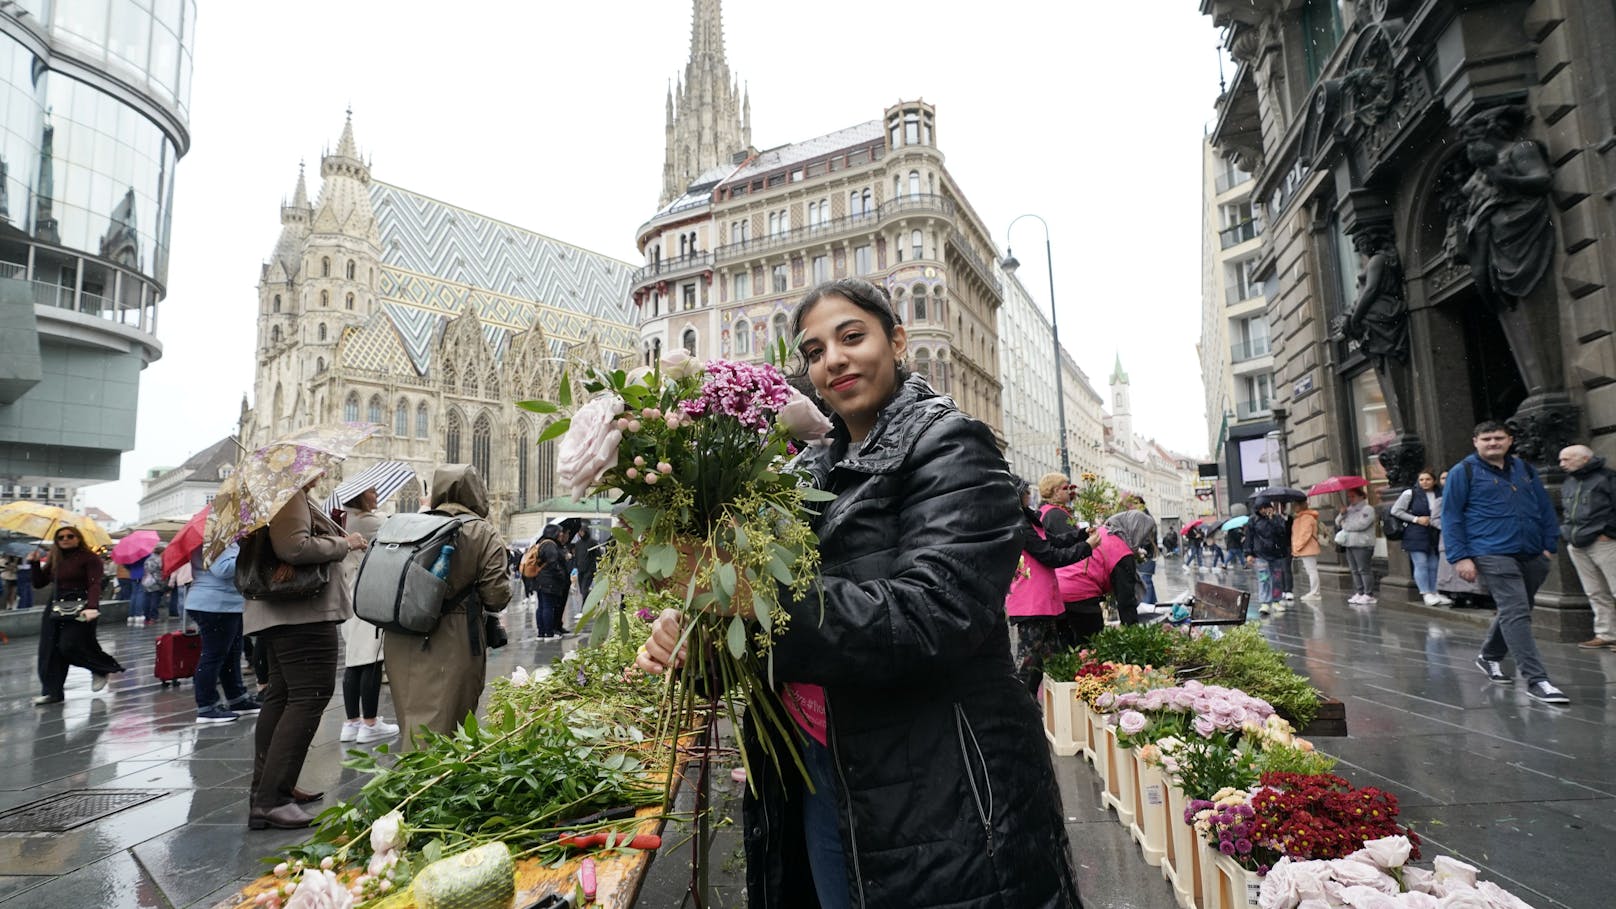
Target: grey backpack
(396, 589)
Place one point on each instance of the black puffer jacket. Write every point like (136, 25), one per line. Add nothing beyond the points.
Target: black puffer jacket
(947, 795)
(1268, 538)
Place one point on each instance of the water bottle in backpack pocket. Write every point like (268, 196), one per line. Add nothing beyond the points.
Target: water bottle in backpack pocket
(403, 580)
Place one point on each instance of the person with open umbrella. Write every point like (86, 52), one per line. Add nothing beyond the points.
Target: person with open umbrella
(1356, 537)
(68, 622)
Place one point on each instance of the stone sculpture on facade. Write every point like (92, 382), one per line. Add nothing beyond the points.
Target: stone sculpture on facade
(1378, 321)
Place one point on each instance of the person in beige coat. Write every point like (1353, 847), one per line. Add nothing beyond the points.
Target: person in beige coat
(1305, 545)
(362, 641)
(300, 642)
(437, 678)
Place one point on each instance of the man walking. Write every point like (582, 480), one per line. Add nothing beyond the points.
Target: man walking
(1588, 499)
(1500, 525)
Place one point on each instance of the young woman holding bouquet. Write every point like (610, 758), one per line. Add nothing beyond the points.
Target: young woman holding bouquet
(931, 782)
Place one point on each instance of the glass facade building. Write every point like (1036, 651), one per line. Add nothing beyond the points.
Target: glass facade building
(94, 99)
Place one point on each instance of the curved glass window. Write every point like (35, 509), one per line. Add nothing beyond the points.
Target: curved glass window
(81, 169)
(146, 43)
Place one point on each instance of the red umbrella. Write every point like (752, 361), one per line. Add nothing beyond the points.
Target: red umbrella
(1192, 525)
(186, 541)
(135, 547)
(1337, 484)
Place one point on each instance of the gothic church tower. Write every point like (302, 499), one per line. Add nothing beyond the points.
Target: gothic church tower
(1121, 411)
(711, 119)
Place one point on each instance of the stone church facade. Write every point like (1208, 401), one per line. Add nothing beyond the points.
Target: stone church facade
(383, 305)
(1433, 181)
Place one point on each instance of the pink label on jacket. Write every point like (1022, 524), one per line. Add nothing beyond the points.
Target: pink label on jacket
(806, 704)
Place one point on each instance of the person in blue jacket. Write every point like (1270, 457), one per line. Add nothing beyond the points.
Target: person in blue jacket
(215, 605)
(1500, 525)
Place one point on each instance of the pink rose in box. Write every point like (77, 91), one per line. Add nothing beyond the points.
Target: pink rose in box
(589, 446)
(803, 418)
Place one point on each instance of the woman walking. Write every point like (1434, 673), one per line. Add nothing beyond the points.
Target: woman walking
(1420, 510)
(299, 640)
(1356, 537)
(901, 648)
(215, 606)
(68, 621)
(362, 642)
(1305, 546)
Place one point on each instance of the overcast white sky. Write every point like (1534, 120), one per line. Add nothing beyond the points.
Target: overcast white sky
(549, 115)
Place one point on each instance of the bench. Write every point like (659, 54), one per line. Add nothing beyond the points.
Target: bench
(1215, 604)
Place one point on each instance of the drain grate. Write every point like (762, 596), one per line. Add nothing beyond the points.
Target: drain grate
(74, 808)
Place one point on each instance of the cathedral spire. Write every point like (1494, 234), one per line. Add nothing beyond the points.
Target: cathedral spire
(707, 127)
(707, 31)
(300, 196)
(345, 145)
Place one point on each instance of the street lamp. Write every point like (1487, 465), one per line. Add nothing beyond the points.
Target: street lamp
(1010, 265)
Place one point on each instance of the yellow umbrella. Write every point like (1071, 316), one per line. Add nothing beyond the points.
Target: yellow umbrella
(42, 521)
(266, 479)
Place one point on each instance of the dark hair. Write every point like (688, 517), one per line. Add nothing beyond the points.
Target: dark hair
(1486, 426)
(861, 293)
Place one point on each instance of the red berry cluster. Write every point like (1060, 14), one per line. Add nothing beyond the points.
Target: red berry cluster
(1322, 816)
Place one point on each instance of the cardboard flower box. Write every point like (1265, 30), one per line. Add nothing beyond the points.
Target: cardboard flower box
(1060, 717)
(1234, 886)
(1120, 781)
(1183, 865)
(1150, 822)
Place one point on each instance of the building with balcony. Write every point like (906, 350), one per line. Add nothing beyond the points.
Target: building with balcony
(1435, 179)
(728, 257)
(382, 305)
(1236, 352)
(180, 492)
(93, 119)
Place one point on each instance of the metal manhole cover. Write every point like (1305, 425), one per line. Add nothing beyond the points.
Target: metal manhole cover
(74, 808)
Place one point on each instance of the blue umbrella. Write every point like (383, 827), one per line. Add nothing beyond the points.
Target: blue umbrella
(1235, 522)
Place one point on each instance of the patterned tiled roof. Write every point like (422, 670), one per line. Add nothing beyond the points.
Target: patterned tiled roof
(437, 259)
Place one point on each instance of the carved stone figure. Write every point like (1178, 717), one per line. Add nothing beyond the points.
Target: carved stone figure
(1507, 235)
(1378, 321)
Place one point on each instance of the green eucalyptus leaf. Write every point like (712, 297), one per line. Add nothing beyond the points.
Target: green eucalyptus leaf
(725, 576)
(555, 430)
(760, 608)
(779, 569)
(564, 393)
(538, 406)
(737, 637)
(741, 540)
(810, 494)
(602, 629)
(660, 560)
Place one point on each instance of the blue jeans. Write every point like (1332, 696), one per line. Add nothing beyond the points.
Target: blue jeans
(1236, 557)
(1193, 554)
(1513, 582)
(220, 662)
(1424, 571)
(547, 615)
(1147, 576)
(821, 827)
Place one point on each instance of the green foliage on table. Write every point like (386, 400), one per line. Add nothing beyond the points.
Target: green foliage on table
(1206, 766)
(1277, 758)
(1138, 645)
(1063, 666)
(1243, 658)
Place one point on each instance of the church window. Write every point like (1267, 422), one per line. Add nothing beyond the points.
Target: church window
(547, 469)
(350, 407)
(781, 328)
(451, 439)
(409, 497)
(471, 382)
(917, 244)
(276, 307)
(920, 303)
(423, 421)
(914, 183)
(743, 337)
(449, 381)
(373, 412)
(491, 383)
(349, 301)
(688, 341)
(325, 266)
(275, 335)
(524, 444)
(482, 444)
(325, 298)
(319, 365)
(320, 330)
(350, 269)
(401, 419)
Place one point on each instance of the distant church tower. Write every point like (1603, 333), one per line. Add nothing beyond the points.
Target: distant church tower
(711, 119)
(1121, 410)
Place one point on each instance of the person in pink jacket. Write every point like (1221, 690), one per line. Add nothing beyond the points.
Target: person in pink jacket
(1037, 614)
(1111, 569)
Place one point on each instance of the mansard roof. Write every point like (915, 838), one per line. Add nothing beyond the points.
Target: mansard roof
(809, 149)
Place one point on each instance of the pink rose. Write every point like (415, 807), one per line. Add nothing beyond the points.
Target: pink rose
(803, 419)
(320, 890)
(679, 364)
(1362, 874)
(1132, 722)
(1204, 727)
(589, 446)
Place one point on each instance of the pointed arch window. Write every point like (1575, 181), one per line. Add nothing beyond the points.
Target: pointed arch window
(743, 337)
(449, 379)
(349, 301)
(451, 438)
(275, 335)
(782, 328)
(689, 341)
(325, 298)
(482, 445)
(524, 459)
(401, 419)
(491, 383)
(351, 270)
(471, 382)
(319, 365)
(325, 266)
(350, 408)
(547, 468)
(320, 331)
(409, 497)
(373, 412)
(276, 306)
(423, 421)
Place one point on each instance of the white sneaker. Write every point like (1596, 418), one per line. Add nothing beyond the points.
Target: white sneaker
(1290, 596)
(1355, 599)
(1263, 609)
(381, 730)
(1430, 599)
(350, 731)
(1368, 601)
(1443, 600)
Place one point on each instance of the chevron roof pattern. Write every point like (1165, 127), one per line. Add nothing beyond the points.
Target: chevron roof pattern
(437, 259)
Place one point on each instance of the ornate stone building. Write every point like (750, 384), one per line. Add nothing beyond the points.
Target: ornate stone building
(384, 305)
(1435, 179)
(734, 249)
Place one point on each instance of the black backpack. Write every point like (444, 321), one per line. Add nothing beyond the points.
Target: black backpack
(1391, 526)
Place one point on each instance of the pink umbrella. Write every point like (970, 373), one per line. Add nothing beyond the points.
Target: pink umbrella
(187, 541)
(1337, 484)
(135, 547)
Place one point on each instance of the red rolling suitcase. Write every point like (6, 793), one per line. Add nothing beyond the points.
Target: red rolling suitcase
(177, 655)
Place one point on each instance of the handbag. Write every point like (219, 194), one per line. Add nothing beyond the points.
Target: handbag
(1341, 538)
(261, 575)
(68, 609)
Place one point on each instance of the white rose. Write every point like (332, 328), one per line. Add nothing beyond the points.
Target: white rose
(387, 834)
(1452, 870)
(1418, 880)
(637, 375)
(1361, 874)
(1416, 900)
(1366, 898)
(1278, 887)
(589, 445)
(1464, 898)
(320, 890)
(1309, 878)
(1387, 852)
(1498, 897)
(803, 418)
(679, 364)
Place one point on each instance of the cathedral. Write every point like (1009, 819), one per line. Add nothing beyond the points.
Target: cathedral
(382, 305)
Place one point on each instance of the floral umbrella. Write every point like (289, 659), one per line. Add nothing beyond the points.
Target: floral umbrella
(266, 479)
(41, 522)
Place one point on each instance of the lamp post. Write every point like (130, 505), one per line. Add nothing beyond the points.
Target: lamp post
(1010, 265)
